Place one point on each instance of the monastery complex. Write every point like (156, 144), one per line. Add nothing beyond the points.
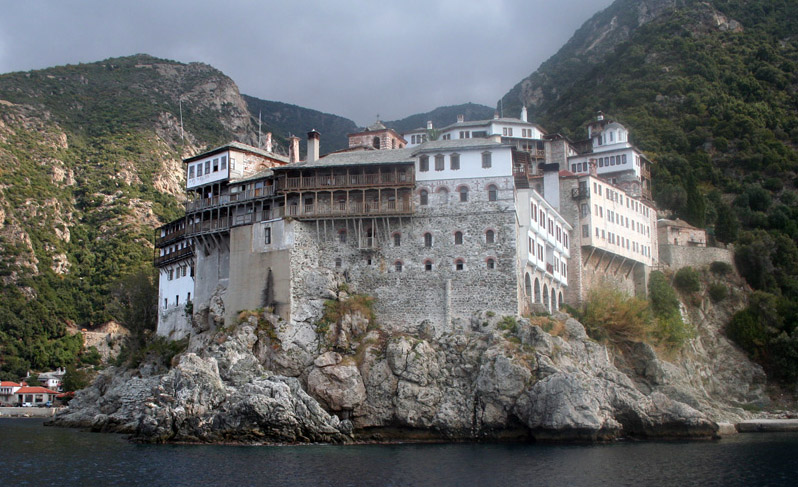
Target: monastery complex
(492, 215)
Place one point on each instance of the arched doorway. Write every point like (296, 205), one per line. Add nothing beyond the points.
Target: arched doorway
(546, 297)
(537, 291)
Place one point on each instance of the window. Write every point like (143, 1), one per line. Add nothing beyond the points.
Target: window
(224, 163)
(376, 142)
(490, 236)
(267, 236)
(458, 238)
(397, 239)
(465, 135)
(534, 212)
(427, 265)
(447, 137)
(585, 231)
(459, 265)
(397, 266)
(463, 194)
(199, 169)
(337, 262)
(427, 239)
(216, 165)
(208, 166)
(486, 161)
(165, 303)
(439, 162)
(191, 172)
(342, 236)
(509, 131)
(490, 264)
(232, 164)
(454, 162)
(443, 196)
(584, 210)
(424, 197)
(171, 274)
(623, 159)
(188, 297)
(423, 164)
(493, 193)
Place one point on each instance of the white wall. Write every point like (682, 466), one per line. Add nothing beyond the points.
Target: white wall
(470, 164)
(218, 160)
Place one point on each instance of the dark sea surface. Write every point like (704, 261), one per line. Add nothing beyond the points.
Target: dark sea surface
(31, 454)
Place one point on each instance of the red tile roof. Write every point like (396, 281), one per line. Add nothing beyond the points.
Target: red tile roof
(35, 390)
(8, 383)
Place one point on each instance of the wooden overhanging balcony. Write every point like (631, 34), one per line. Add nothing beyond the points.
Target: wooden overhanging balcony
(258, 216)
(343, 209)
(213, 225)
(580, 193)
(345, 181)
(229, 199)
(170, 237)
(173, 256)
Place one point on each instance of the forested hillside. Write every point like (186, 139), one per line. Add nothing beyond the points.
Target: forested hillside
(710, 92)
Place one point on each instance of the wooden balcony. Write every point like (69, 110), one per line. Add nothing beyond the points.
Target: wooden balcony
(580, 193)
(173, 256)
(351, 209)
(170, 237)
(345, 181)
(229, 199)
(214, 225)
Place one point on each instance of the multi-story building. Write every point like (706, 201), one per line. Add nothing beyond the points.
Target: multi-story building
(435, 230)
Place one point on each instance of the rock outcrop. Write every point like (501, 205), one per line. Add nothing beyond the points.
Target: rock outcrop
(493, 382)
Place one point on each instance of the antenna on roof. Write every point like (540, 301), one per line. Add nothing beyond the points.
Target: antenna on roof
(259, 113)
(180, 100)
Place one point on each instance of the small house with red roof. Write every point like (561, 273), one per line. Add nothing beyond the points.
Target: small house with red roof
(35, 395)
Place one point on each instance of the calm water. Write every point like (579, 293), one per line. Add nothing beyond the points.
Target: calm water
(31, 454)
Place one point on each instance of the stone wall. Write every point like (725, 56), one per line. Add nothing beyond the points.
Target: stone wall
(409, 295)
(677, 256)
(173, 322)
(213, 268)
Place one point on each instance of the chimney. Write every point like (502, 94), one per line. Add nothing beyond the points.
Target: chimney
(429, 124)
(551, 184)
(523, 113)
(314, 139)
(460, 118)
(495, 114)
(293, 149)
(600, 116)
(592, 167)
(269, 146)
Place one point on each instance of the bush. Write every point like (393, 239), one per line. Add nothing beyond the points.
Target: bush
(718, 292)
(611, 315)
(669, 329)
(687, 280)
(720, 268)
(748, 332)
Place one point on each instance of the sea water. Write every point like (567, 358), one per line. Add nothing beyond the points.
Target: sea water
(32, 454)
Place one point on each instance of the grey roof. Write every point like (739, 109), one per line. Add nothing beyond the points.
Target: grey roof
(476, 143)
(258, 175)
(478, 123)
(356, 158)
(241, 147)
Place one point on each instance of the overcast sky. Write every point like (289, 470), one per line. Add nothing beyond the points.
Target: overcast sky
(354, 58)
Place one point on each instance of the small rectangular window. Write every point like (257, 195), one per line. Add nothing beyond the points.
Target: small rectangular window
(486, 160)
(191, 172)
(216, 165)
(454, 162)
(267, 236)
(423, 164)
(439, 163)
(208, 167)
(224, 163)
(199, 169)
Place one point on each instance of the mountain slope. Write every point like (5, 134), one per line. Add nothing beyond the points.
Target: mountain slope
(709, 90)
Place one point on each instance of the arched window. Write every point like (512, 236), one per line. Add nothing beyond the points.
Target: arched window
(397, 239)
(376, 142)
(459, 264)
(554, 300)
(559, 301)
(528, 285)
(398, 266)
(490, 237)
(424, 197)
(458, 238)
(427, 265)
(537, 291)
(443, 196)
(493, 193)
(546, 297)
(427, 239)
(490, 264)
(463, 190)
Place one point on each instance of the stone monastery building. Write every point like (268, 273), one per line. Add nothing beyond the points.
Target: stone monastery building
(492, 215)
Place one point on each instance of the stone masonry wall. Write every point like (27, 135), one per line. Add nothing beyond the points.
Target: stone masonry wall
(677, 256)
(444, 297)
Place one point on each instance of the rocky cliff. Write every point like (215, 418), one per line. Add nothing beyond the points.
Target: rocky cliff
(543, 378)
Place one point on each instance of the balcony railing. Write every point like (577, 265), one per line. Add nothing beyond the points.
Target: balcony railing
(258, 216)
(174, 256)
(209, 226)
(228, 199)
(352, 208)
(170, 237)
(334, 181)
